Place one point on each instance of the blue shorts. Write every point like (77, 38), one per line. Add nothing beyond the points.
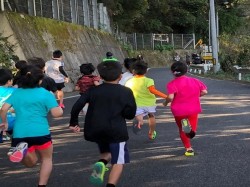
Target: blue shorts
(119, 152)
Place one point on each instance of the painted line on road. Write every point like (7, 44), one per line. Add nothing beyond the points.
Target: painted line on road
(69, 97)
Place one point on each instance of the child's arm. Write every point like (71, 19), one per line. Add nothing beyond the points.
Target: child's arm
(77, 88)
(203, 92)
(168, 99)
(153, 90)
(77, 107)
(56, 112)
(3, 115)
(96, 83)
(129, 110)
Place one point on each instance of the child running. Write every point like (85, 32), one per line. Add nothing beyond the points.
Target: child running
(6, 89)
(88, 80)
(184, 94)
(48, 83)
(31, 135)
(128, 64)
(110, 104)
(144, 92)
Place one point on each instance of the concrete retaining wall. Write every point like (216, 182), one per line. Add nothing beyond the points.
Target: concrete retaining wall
(35, 36)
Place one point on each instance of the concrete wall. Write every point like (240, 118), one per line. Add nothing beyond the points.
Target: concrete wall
(35, 36)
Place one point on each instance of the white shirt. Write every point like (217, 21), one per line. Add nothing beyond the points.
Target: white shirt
(125, 77)
(52, 70)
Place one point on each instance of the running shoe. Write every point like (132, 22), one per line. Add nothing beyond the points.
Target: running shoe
(152, 136)
(98, 173)
(62, 106)
(189, 153)
(136, 126)
(6, 137)
(17, 153)
(185, 126)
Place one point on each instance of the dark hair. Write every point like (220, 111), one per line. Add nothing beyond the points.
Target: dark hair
(179, 69)
(20, 64)
(140, 67)
(109, 54)
(87, 69)
(128, 63)
(36, 61)
(5, 76)
(57, 54)
(109, 70)
(30, 76)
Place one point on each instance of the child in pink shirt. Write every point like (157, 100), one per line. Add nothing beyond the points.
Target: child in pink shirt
(184, 94)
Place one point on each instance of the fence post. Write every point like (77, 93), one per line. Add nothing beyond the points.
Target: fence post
(101, 16)
(94, 14)
(172, 39)
(182, 41)
(73, 9)
(32, 7)
(194, 40)
(142, 40)
(2, 5)
(55, 9)
(152, 41)
(86, 15)
(135, 41)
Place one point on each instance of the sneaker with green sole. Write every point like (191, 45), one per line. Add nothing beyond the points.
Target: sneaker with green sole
(189, 153)
(97, 175)
(185, 126)
(152, 136)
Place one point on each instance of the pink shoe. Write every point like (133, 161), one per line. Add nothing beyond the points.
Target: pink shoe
(17, 153)
(62, 106)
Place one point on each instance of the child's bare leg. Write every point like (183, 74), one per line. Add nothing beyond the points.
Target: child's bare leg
(115, 174)
(105, 156)
(60, 96)
(139, 118)
(30, 159)
(46, 165)
(151, 123)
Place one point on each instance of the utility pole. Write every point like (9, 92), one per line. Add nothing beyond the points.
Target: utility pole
(213, 28)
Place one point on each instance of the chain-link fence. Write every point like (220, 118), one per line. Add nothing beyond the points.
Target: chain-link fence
(139, 41)
(82, 12)
(95, 15)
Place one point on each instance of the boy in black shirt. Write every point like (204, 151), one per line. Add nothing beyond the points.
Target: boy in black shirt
(110, 104)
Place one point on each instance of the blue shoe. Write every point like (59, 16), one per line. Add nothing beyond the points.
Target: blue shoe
(97, 175)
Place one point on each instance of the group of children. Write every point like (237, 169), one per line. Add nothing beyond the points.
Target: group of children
(120, 96)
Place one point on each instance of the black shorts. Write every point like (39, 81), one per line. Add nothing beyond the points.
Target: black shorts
(60, 86)
(33, 141)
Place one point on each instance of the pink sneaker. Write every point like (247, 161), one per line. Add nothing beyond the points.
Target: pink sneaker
(62, 106)
(17, 153)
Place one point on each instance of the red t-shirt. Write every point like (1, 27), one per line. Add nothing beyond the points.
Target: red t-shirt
(86, 82)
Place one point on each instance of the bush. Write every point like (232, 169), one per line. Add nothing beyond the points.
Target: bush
(234, 50)
(164, 47)
(7, 56)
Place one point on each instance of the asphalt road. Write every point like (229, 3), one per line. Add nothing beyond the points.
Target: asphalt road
(222, 146)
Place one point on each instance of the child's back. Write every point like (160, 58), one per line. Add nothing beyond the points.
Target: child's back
(105, 118)
(88, 80)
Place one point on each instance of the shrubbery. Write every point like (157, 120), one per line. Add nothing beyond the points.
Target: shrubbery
(7, 55)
